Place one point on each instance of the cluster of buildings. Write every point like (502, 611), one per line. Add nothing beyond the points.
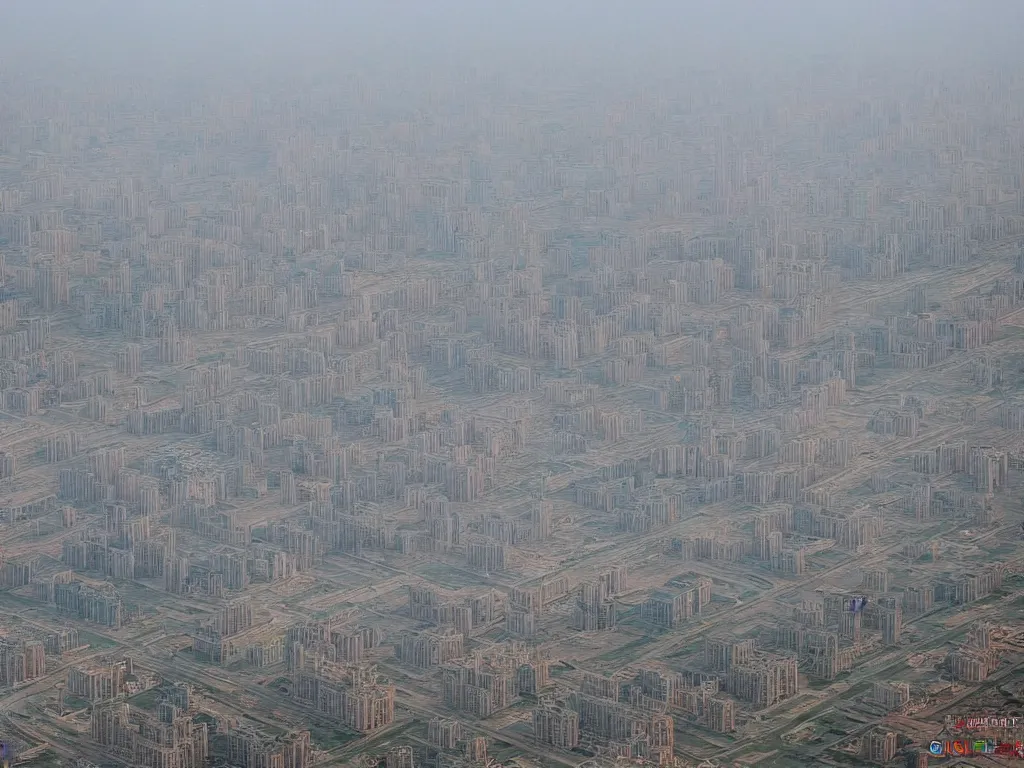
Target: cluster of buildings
(679, 600)
(463, 612)
(332, 640)
(636, 716)
(213, 642)
(23, 655)
(356, 696)
(169, 738)
(21, 660)
(605, 715)
(977, 657)
(490, 680)
(754, 677)
(827, 635)
(785, 538)
(448, 746)
(250, 747)
(93, 602)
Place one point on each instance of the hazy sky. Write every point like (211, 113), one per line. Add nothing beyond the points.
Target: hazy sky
(586, 36)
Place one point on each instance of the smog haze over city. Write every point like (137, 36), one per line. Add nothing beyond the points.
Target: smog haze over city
(461, 384)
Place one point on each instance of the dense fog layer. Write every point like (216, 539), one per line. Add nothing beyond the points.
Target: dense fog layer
(601, 39)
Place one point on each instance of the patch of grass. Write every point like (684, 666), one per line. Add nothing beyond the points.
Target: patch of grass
(147, 699)
(688, 650)
(45, 759)
(330, 737)
(94, 640)
(21, 600)
(74, 703)
(987, 600)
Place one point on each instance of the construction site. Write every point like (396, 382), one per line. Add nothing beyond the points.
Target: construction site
(515, 427)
